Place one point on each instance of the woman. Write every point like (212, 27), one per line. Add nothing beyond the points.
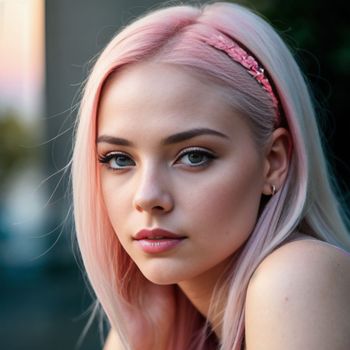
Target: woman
(204, 211)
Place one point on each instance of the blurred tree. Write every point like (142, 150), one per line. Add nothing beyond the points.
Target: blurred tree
(15, 150)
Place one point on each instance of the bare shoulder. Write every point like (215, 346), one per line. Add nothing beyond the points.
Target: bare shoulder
(298, 298)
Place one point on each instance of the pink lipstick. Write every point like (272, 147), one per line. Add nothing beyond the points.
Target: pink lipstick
(157, 240)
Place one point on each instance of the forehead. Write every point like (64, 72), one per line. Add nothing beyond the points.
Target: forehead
(158, 94)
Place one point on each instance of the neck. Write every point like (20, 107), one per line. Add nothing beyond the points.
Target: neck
(200, 291)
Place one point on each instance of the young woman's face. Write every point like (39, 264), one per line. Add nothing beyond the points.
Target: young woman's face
(175, 157)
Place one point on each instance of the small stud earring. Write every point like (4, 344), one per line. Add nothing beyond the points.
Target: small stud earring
(273, 190)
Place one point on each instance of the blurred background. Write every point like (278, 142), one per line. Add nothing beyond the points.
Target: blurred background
(45, 49)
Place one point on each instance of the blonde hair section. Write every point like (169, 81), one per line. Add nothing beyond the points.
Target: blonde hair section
(306, 201)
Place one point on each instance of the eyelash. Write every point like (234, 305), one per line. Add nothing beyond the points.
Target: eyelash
(203, 152)
(105, 159)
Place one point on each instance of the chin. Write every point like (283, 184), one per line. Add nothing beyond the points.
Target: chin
(160, 279)
(161, 275)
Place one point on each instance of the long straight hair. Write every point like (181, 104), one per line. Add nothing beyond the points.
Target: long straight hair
(178, 35)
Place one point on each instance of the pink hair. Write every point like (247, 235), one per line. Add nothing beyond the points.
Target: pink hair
(177, 35)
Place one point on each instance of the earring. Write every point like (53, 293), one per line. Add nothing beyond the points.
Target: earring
(273, 190)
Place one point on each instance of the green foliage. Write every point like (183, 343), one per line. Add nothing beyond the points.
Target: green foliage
(15, 146)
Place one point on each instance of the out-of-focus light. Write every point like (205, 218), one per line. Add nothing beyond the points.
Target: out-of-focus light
(22, 56)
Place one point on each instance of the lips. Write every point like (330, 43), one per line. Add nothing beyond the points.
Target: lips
(156, 234)
(158, 241)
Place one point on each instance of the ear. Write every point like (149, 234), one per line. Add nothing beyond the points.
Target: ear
(277, 155)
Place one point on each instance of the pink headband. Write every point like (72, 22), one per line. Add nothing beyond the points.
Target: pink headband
(241, 56)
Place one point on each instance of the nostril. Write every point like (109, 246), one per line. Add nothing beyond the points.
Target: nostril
(158, 207)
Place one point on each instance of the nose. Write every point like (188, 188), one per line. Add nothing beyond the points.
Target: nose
(153, 194)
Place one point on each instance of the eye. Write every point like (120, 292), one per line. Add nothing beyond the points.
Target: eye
(117, 161)
(195, 157)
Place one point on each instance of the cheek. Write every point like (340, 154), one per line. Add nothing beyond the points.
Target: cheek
(230, 203)
(116, 201)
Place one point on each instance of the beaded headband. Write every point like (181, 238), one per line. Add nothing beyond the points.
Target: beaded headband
(238, 54)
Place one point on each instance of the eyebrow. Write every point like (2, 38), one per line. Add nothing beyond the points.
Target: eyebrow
(176, 138)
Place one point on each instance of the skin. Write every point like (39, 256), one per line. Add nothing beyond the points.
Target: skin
(298, 298)
(300, 292)
(206, 187)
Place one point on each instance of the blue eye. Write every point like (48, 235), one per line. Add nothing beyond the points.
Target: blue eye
(195, 157)
(117, 161)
